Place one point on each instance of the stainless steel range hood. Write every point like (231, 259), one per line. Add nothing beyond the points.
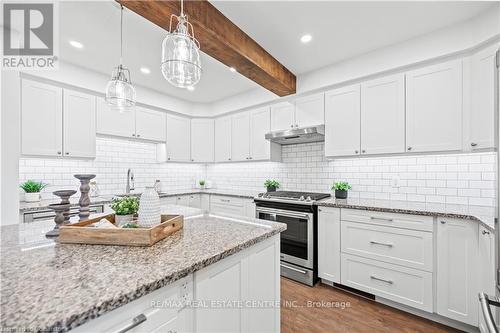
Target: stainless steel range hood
(298, 135)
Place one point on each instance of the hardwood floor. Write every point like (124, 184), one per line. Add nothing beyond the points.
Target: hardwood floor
(361, 316)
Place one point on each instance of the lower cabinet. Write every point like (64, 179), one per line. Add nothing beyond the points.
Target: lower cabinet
(329, 244)
(232, 205)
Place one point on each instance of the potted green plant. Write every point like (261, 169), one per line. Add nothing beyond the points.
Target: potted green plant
(32, 190)
(341, 189)
(125, 208)
(202, 183)
(271, 185)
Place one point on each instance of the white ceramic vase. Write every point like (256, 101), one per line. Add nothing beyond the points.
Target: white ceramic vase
(149, 208)
(32, 197)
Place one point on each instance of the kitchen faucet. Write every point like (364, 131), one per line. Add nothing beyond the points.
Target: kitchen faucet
(130, 179)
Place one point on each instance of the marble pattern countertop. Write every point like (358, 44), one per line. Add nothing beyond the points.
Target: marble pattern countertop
(482, 214)
(104, 199)
(48, 286)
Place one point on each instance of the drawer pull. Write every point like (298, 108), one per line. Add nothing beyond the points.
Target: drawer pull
(224, 200)
(379, 243)
(136, 321)
(381, 219)
(380, 279)
(293, 269)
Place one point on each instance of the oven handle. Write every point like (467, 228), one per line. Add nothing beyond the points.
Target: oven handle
(283, 212)
(294, 269)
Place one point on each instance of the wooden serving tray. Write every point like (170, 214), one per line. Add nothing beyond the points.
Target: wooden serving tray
(81, 233)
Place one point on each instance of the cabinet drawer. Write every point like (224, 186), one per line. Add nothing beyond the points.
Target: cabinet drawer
(223, 200)
(407, 221)
(408, 248)
(227, 209)
(400, 284)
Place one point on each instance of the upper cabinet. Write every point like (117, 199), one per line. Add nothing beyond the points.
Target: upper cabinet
(53, 128)
(483, 86)
(434, 108)
(240, 137)
(260, 124)
(222, 139)
(303, 112)
(202, 140)
(342, 121)
(150, 124)
(79, 118)
(178, 138)
(383, 115)
(113, 121)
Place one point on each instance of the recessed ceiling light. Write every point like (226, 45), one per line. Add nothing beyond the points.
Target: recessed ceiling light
(145, 70)
(306, 38)
(76, 44)
(190, 88)
(232, 69)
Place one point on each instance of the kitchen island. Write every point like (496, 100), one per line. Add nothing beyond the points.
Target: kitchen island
(48, 286)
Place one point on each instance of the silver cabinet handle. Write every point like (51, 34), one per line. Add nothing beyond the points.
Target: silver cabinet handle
(356, 151)
(168, 158)
(136, 321)
(59, 153)
(250, 158)
(133, 134)
(229, 159)
(138, 135)
(363, 151)
(409, 148)
(485, 232)
(443, 222)
(291, 125)
(380, 279)
(383, 244)
(473, 144)
(381, 218)
(67, 153)
(485, 302)
(293, 269)
(225, 200)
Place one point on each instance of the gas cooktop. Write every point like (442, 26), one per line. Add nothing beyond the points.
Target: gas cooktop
(292, 196)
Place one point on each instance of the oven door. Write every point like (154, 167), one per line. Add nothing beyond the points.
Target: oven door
(297, 240)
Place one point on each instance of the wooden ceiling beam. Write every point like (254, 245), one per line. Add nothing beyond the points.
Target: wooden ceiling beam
(221, 39)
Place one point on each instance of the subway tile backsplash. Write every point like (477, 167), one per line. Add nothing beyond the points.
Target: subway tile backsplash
(453, 179)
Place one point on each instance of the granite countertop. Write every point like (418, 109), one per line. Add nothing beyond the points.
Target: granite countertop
(104, 199)
(48, 286)
(485, 215)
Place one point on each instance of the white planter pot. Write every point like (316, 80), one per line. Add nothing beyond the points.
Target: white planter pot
(32, 197)
(123, 219)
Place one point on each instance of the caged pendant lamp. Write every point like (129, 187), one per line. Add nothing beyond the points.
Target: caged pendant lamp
(180, 56)
(120, 93)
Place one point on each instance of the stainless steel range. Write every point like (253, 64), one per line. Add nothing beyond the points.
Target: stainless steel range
(298, 242)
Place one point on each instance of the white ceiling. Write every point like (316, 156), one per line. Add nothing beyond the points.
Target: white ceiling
(340, 30)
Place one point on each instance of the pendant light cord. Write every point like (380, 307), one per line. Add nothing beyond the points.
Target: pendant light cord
(182, 8)
(121, 35)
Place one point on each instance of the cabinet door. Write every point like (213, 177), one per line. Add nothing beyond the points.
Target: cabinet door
(182, 200)
(202, 140)
(486, 270)
(150, 124)
(457, 255)
(113, 121)
(79, 113)
(195, 200)
(222, 139)
(41, 119)
(434, 108)
(310, 110)
(260, 124)
(282, 116)
(482, 115)
(240, 137)
(383, 115)
(178, 138)
(329, 244)
(342, 121)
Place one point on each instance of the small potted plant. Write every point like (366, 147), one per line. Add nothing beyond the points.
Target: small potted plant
(32, 190)
(341, 189)
(125, 208)
(271, 185)
(202, 183)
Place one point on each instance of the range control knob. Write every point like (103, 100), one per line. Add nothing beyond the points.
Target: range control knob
(308, 199)
(302, 198)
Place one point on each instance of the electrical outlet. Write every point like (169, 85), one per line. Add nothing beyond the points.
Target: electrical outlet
(395, 181)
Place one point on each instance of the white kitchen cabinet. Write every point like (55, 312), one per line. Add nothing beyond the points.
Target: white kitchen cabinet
(227, 205)
(486, 272)
(310, 110)
(457, 278)
(178, 138)
(41, 119)
(222, 139)
(150, 124)
(205, 202)
(113, 121)
(383, 115)
(79, 119)
(182, 200)
(342, 121)
(202, 140)
(329, 244)
(434, 108)
(195, 200)
(240, 137)
(260, 124)
(483, 86)
(282, 116)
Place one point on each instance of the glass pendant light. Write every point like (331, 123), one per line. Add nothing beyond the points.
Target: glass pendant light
(180, 56)
(119, 91)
